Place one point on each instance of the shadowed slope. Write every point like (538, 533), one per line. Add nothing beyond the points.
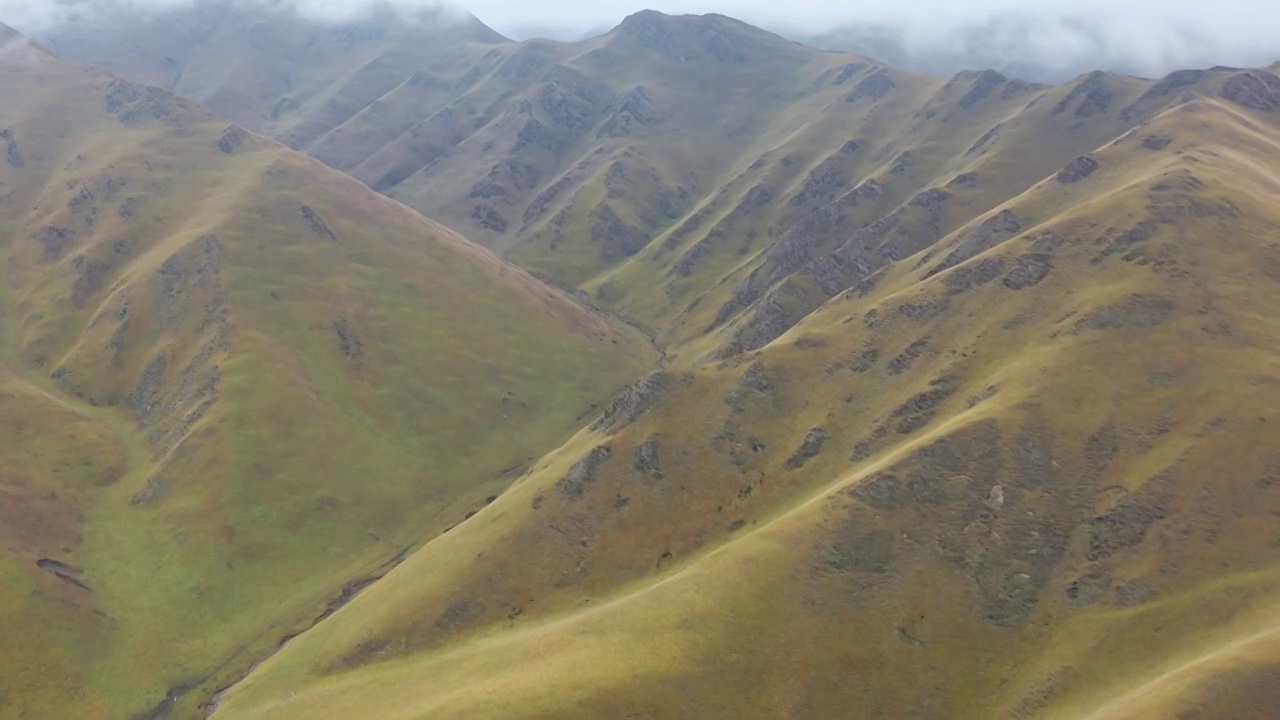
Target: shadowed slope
(1028, 474)
(235, 382)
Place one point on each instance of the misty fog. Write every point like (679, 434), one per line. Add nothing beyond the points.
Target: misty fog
(1045, 40)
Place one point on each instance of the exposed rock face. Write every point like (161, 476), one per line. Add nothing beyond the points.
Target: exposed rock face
(1077, 170)
(231, 140)
(983, 84)
(686, 39)
(318, 225)
(615, 237)
(636, 107)
(583, 473)
(872, 87)
(633, 402)
(12, 154)
(986, 235)
(1093, 95)
(814, 440)
(1258, 90)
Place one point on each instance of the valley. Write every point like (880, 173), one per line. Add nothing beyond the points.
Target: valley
(395, 369)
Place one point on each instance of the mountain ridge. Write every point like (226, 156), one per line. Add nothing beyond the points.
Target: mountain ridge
(957, 402)
(183, 300)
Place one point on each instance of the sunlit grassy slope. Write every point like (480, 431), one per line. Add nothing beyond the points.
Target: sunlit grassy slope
(233, 384)
(968, 409)
(1023, 474)
(697, 175)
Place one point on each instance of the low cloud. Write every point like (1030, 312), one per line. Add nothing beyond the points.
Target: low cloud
(1047, 39)
(37, 16)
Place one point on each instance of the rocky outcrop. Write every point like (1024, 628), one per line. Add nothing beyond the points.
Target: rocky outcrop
(1077, 170)
(634, 108)
(12, 154)
(873, 87)
(1258, 90)
(1092, 95)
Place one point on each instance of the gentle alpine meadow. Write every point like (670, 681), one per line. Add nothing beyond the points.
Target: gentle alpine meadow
(389, 368)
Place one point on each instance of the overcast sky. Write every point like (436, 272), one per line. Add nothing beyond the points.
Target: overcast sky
(1133, 34)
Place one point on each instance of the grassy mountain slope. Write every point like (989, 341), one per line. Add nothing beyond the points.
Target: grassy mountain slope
(266, 67)
(236, 385)
(708, 179)
(1028, 477)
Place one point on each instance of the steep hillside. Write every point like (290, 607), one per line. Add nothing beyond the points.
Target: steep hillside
(1029, 471)
(265, 66)
(707, 179)
(235, 387)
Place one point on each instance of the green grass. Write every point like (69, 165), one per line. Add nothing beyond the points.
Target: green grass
(316, 461)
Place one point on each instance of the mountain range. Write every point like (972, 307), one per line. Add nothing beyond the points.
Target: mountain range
(396, 369)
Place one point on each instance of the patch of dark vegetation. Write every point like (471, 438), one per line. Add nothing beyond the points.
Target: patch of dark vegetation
(633, 402)
(487, 217)
(647, 460)
(460, 613)
(1009, 554)
(757, 378)
(827, 179)
(982, 396)
(903, 361)
(1077, 170)
(882, 491)
(1124, 242)
(12, 154)
(129, 208)
(1132, 593)
(63, 572)
(349, 343)
(1156, 142)
(96, 266)
(144, 399)
(921, 408)
(853, 549)
(136, 104)
(872, 87)
(847, 72)
(486, 190)
(1039, 697)
(968, 179)
(535, 134)
(1088, 589)
(1135, 312)
(983, 84)
(583, 473)
(1100, 450)
(865, 360)
(923, 311)
(1125, 525)
(318, 225)
(615, 237)
(54, 242)
(231, 140)
(986, 235)
(636, 107)
(1257, 90)
(810, 448)
(977, 274)
(1093, 93)
(1029, 270)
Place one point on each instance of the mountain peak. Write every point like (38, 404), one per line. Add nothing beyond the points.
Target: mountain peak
(692, 37)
